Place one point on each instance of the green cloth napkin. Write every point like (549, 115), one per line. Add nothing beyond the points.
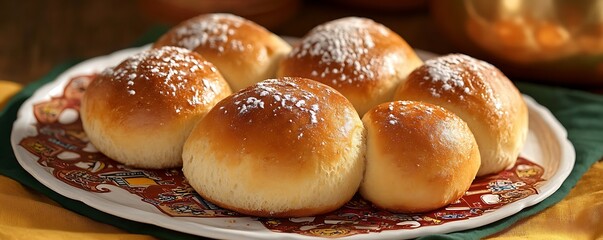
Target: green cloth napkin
(581, 113)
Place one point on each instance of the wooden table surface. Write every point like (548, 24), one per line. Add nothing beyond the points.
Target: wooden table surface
(37, 35)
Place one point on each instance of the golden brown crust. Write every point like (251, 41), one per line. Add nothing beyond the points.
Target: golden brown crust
(232, 43)
(426, 150)
(291, 109)
(156, 86)
(474, 86)
(360, 58)
(482, 96)
(216, 34)
(140, 112)
(422, 126)
(289, 146)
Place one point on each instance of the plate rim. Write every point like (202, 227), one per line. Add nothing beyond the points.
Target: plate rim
(565, 165)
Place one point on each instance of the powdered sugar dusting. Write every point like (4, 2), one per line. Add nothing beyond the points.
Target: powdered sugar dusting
(280, 95)
(450, 72)
(340, 44)
(172, 66)
(396, 111)
(214, 31)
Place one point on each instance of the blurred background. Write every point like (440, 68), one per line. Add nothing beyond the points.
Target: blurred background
(556, 42)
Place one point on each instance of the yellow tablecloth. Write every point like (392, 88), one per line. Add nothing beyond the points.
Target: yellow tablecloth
(25, 214)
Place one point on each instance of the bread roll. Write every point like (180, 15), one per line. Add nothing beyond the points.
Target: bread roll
(419, 157)
(140, 112)
(287, 147)
(244, 52)
(482, 96)
(362, 59)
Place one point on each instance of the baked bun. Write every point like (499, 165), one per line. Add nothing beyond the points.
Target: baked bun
(482, 96)
(244, 52)
(286, 147)
(360, 58)
(419, 157)
(140, 112)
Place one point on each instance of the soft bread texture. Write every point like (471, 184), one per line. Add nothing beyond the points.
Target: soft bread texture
(482, 96)
(362, 59)
(244, 52)
(140, 112)
(286, 147)
(419, 157)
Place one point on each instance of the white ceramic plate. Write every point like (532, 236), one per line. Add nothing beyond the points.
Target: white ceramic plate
(50, 153)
